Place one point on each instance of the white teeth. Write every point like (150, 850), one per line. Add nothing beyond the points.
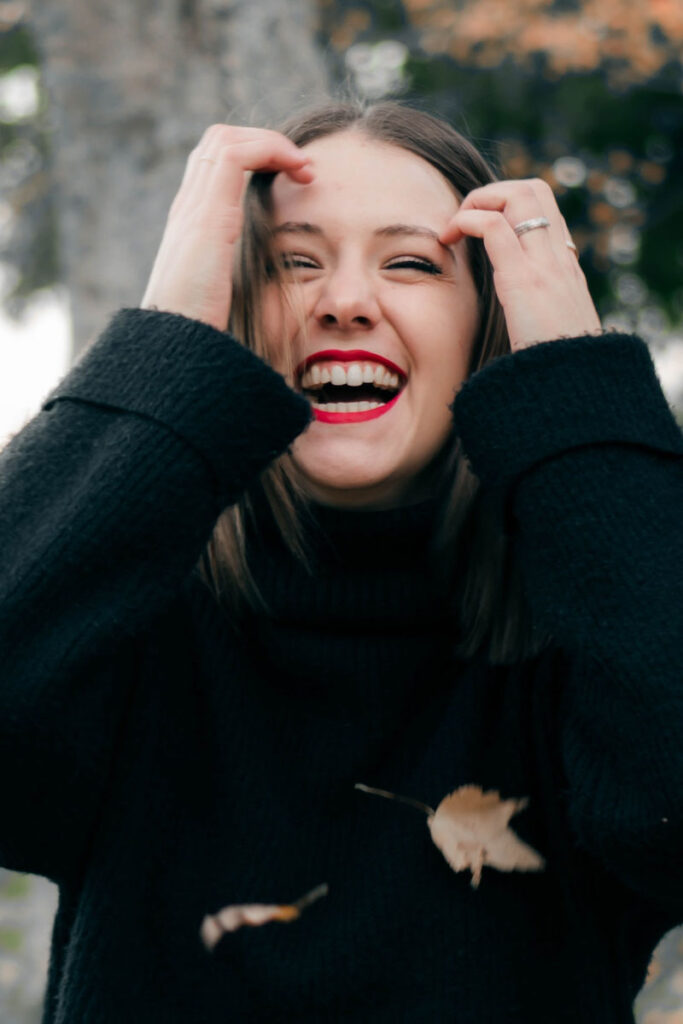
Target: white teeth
(352, 374)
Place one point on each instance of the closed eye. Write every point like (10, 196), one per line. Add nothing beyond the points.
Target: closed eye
(294, 261)
(415, 264)
(290, 261)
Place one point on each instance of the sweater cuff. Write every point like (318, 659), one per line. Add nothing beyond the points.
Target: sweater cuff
(198, 382)
(531, 405)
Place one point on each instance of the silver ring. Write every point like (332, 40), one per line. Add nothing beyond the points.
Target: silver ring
(531, 225)
(570, 245)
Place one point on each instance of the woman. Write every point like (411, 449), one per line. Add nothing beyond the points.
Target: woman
(234, 591)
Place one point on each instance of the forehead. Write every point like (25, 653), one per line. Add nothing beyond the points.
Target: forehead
(359, 180)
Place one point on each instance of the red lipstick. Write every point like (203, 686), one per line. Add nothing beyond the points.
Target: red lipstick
(355, 417)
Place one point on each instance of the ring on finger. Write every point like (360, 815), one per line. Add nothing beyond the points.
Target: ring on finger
(570, 245)
(530, 225)
(209, 159)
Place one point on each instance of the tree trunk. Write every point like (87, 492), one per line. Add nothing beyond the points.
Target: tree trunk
(131, 87)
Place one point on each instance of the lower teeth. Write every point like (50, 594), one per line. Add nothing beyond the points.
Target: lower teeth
(347, 406)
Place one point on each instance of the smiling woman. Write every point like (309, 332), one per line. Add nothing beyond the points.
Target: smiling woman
(360, 503)
(347, 262)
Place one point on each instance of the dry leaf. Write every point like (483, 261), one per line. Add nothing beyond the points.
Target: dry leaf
(229, 919)
(470, 827)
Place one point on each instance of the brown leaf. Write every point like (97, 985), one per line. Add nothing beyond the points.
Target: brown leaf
(470, 828)
(229, 919)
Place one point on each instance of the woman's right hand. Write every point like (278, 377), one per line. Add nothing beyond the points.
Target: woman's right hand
(192, 272)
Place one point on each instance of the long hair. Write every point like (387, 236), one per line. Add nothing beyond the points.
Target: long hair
(470, 545)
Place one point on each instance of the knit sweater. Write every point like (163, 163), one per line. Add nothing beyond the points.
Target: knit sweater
(163, 766)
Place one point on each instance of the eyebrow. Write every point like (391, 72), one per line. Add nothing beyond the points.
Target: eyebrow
(292, 227)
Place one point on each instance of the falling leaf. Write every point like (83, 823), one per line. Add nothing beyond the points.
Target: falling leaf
(470, 827)
(229, 919)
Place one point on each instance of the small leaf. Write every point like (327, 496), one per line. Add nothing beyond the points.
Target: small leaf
(229, 919)
(470, 828)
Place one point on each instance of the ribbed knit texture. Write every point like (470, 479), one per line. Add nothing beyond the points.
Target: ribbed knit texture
(163, 767)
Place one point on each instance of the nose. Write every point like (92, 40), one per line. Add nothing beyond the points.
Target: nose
(347, 300)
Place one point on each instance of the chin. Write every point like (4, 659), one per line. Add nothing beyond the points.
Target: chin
(356, 490)
(344, 484)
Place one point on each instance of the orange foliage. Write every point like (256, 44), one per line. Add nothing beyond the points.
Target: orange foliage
(344, 33)
(652, 173)
(603, 213)
(486, 31)
(620, 160)
(596, 181)
(669, 17)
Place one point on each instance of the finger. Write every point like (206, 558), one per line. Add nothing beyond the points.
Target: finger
(500, 241)
(197, 170)
(219, 194)
(251, 149)
(267, 154)
(519, 202)
(558, 233)
(285, 151)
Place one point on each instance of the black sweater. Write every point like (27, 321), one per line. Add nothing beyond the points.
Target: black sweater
(162, 767)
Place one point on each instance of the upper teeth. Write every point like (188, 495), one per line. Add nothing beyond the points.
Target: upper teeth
(353, 374)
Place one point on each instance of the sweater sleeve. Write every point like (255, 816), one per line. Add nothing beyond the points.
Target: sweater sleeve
(108, 497)
(577, 436)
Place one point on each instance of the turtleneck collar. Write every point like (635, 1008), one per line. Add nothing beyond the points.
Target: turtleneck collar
(360, 629)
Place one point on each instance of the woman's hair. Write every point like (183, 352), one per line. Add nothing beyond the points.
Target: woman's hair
(470, 544)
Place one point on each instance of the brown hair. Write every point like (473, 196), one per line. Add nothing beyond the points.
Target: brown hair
(471, 544)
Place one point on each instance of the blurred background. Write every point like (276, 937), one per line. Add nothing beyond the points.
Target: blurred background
(101, 103)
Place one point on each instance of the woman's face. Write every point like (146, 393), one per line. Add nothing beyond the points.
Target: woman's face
(389, 317)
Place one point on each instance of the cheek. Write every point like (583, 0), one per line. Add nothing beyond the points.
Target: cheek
(449, 334)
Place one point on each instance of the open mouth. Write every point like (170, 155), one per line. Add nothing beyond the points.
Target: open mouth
(352, 385)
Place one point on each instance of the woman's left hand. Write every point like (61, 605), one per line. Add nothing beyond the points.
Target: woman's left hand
(537, 276)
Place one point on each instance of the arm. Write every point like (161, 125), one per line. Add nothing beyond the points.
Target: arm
(110, 494)
(580, 439)
(107, 499)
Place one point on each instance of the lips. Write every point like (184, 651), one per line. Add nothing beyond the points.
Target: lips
(357, 356)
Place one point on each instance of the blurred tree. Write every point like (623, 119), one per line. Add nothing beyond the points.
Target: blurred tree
(100, 105)
(131, 88)
(28, 251)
